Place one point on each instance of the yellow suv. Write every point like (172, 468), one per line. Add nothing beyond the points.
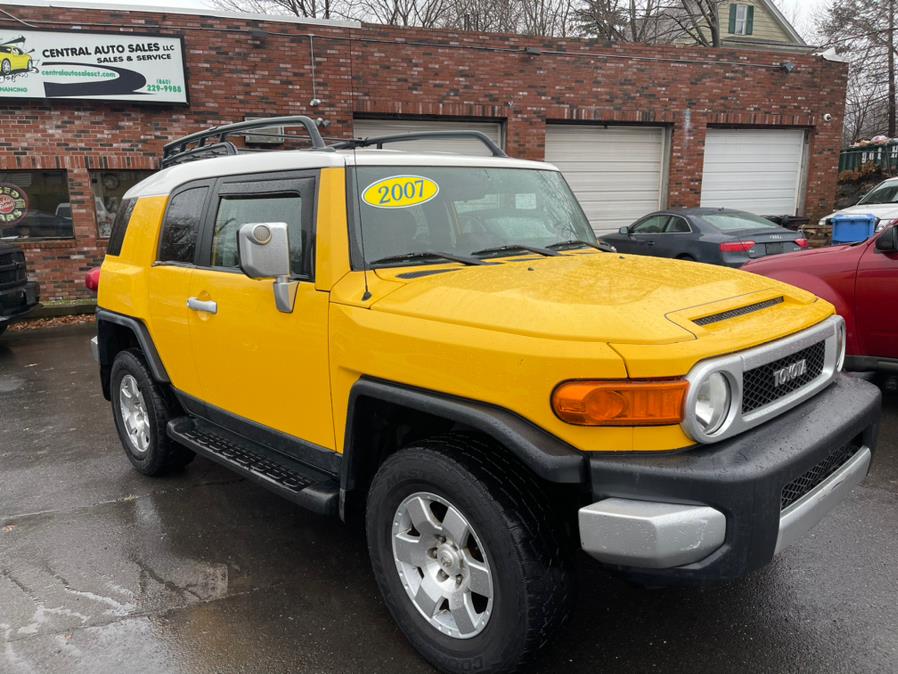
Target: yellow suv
(437, 344)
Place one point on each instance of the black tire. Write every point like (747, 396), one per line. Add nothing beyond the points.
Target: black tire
(6, 67)
(3, 327)
(162, 455)
(511, 514)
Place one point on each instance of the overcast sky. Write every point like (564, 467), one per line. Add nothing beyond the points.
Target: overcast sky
(799, 12)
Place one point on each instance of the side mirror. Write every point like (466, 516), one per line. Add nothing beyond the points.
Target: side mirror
(624, 230)
(265, 253)
(887, 242)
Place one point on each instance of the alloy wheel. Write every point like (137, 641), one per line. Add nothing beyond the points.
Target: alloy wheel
(443, 565)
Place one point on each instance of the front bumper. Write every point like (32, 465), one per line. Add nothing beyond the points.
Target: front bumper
(720, 511)
(18, 302)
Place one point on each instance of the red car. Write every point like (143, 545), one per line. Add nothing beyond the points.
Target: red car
(861, 280)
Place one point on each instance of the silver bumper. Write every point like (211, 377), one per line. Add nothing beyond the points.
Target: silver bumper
(802, 515)
(95, 348)
(652, 535)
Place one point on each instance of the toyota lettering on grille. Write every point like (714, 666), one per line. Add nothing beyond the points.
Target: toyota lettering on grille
(786, 374)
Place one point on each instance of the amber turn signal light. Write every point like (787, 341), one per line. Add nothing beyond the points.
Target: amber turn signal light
(657, 402)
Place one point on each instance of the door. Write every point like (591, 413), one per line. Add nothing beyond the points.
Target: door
(618, 173)
(169, 283)
(252, 360)
(876, 296)
(645, 234)
(756, 170)
(366, 128)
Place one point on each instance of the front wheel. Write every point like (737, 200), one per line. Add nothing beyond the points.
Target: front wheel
(6, 67)
(468, 555)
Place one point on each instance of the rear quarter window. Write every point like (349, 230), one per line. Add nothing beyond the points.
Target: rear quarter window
(181, 227)
(120, 226)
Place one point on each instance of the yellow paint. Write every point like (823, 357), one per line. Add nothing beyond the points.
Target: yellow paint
(505, 333)
(400, 191)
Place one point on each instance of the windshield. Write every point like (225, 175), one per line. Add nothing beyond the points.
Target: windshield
(464, 210)
(885, 193)
(728, 222)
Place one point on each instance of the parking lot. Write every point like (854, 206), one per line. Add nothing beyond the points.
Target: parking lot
(103, 570)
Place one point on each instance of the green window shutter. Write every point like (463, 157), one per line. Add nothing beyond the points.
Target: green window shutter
(749, 19)
(732, 19)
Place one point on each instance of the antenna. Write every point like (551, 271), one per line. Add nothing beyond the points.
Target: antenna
(357, 201)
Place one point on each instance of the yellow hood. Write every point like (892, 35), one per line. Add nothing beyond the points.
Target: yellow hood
(596, 297)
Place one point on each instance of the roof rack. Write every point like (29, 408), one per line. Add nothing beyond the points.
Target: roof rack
(195, 146)
(380, 141)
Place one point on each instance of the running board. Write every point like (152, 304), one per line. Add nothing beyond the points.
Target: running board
(306, 486)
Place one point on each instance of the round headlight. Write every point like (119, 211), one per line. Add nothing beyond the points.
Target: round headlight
(840, 346)
(712, 402)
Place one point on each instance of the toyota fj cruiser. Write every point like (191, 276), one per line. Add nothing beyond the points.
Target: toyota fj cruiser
(18, 295)
(436, 343)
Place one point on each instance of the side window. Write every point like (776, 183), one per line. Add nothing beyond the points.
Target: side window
(181, 227)
(120, 226)
(678, 226)
(237, 210)
(653, 225)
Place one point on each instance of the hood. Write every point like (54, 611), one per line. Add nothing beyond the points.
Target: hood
(881, 211)
(607, 297)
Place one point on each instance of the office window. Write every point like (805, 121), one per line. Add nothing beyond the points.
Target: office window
(109, 188)
(35, 205)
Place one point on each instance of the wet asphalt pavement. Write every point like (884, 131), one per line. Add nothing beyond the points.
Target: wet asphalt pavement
(103, 570)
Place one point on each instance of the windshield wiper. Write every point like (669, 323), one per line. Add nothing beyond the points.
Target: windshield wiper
(579, 243)
(428, 255)
(514, 246)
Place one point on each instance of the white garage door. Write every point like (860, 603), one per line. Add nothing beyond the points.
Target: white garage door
(617, 173)
(366, 128)
(757, 170)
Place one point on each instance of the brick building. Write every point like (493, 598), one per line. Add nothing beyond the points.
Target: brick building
(633, 127)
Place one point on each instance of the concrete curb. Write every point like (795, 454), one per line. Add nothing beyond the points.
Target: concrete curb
(66, 309)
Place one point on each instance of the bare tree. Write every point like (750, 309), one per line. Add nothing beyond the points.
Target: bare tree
(320, 9)
(865, 31)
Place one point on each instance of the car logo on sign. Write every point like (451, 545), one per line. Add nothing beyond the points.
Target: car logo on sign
(786, 374)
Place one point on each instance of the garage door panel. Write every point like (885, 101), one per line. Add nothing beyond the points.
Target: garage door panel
(616, 172)
(367, 128)
(757, 170)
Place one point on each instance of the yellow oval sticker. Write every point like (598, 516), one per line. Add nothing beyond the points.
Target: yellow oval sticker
(400, 192)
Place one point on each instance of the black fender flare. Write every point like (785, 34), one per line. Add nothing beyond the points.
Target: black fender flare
(546, 455)
(106, 347)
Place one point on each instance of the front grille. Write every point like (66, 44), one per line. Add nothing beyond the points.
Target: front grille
(735, 313)
(759, 384)
(806, 482)
(12, 269)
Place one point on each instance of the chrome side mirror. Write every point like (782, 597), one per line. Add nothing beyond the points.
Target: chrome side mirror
(265, 253)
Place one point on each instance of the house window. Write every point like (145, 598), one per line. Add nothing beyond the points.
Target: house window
(108, 188)
(741, 19)
(35, 205)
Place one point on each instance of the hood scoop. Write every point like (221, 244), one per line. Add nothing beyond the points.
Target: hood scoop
(735, 313)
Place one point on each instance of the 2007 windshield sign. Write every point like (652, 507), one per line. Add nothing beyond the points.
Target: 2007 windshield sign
(98, 66)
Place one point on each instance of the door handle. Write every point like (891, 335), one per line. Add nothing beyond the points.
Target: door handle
(208, 306)
(649, 243)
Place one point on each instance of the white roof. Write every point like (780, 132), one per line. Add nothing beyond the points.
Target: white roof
(166, 180)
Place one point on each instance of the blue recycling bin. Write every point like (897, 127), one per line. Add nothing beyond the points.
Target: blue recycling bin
(853, 228)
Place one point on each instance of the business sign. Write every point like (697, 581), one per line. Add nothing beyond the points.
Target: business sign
(92, 66)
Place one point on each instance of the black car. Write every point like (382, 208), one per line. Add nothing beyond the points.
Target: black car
(715, 235)
(18, 295)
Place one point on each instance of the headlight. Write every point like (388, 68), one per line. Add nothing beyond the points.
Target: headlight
(840, 345)
(712, 402)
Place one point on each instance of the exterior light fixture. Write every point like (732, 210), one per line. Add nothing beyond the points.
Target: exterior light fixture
(788, 67)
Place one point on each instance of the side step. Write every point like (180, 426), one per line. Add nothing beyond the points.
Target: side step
(306, 486)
